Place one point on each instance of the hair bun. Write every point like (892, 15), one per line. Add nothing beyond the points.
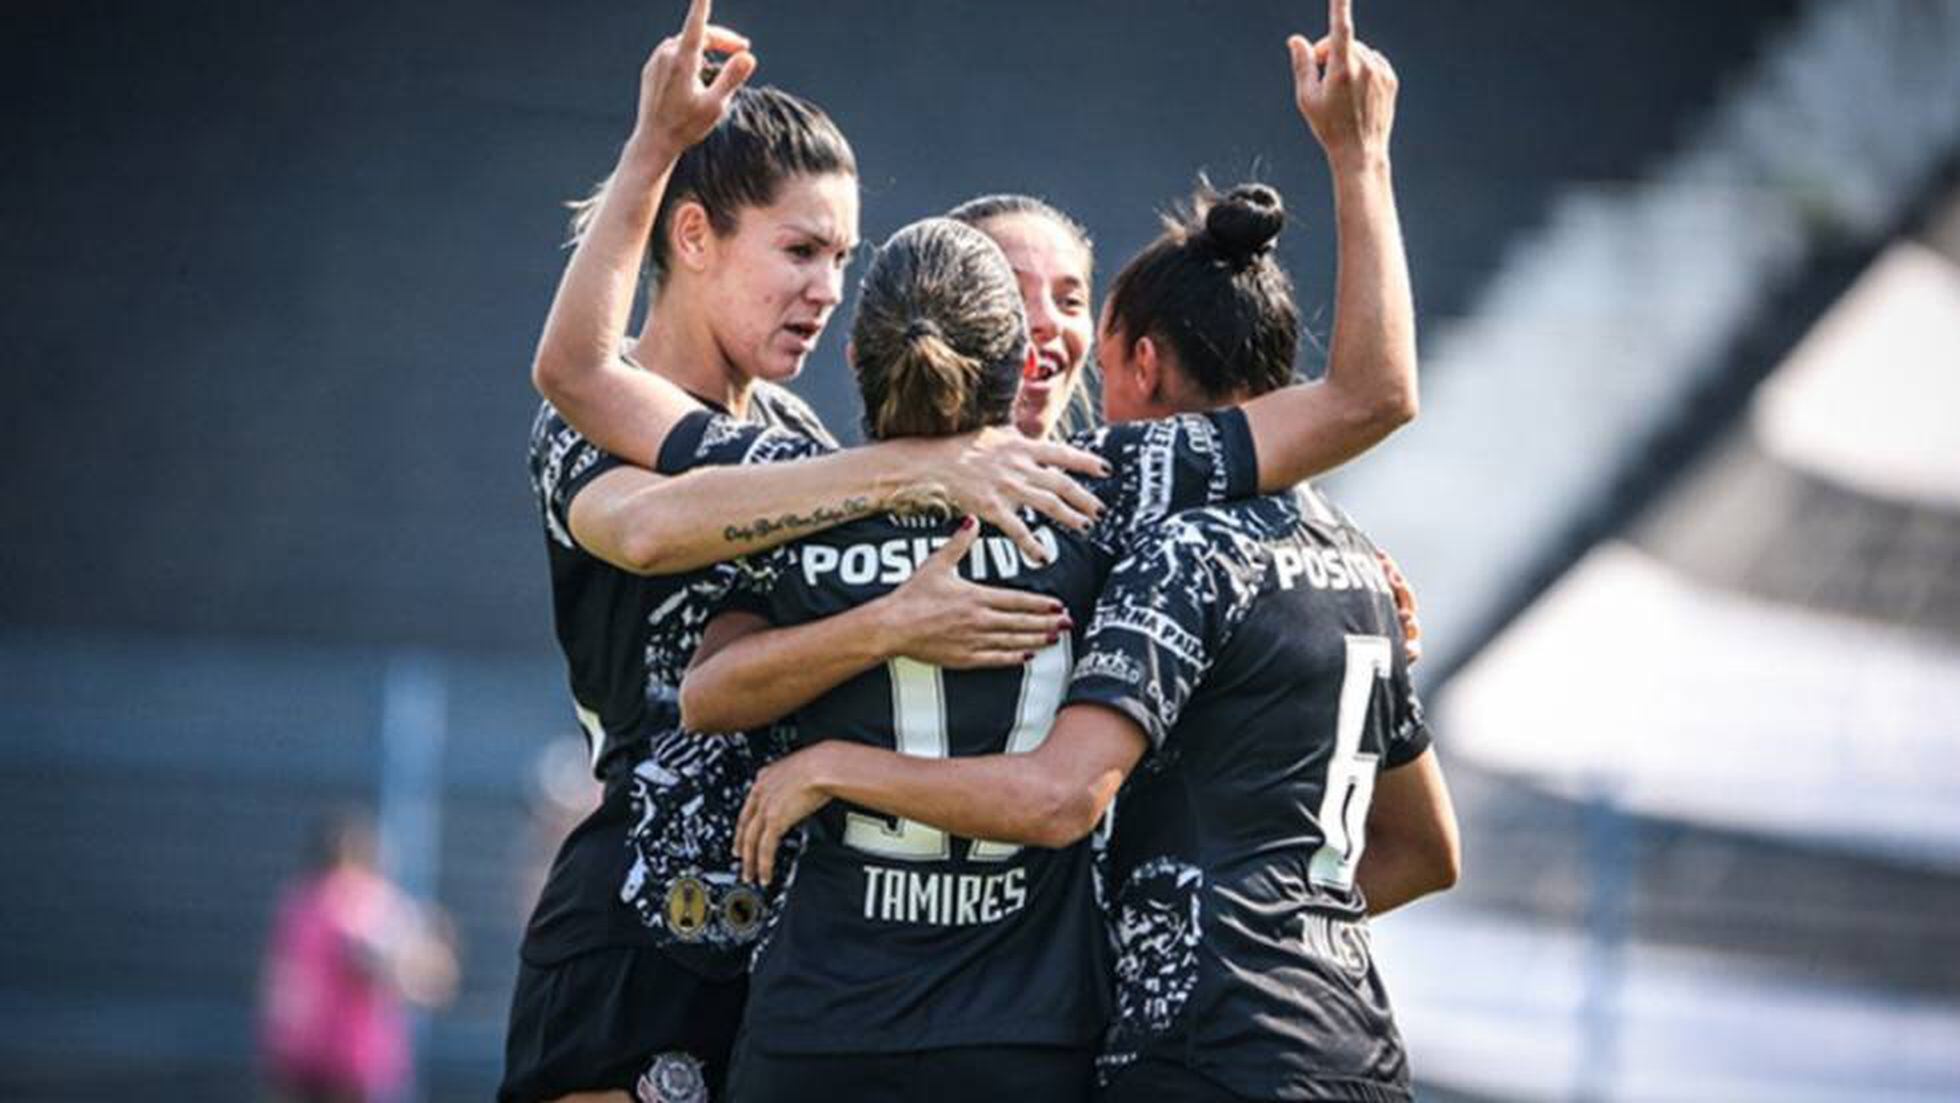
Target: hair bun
(1243, 223)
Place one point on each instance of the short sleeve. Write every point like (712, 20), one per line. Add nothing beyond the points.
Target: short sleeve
(756, 577)
(1408, 734)
(1165, 610)
(705, 438)
(1166, 465)
(563, 463)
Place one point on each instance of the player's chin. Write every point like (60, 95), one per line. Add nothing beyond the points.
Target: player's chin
(781, 367)
(1036, 416)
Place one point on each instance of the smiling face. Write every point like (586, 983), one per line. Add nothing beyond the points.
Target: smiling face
(776, 279)
(1052, 267)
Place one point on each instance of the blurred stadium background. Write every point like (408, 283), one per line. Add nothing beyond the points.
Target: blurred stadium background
(1683, 508)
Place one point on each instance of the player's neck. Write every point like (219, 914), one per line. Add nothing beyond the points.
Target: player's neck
(677, 344)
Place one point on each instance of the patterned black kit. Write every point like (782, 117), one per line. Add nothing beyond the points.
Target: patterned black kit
(1257, 645)
(641, 938)
(897, 938)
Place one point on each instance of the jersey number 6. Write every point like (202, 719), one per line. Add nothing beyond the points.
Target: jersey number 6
(919, 719)
(1350, 773)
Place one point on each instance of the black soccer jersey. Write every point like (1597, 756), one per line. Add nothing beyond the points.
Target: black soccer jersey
(1257, 645)
(896, 936)
(627, 640)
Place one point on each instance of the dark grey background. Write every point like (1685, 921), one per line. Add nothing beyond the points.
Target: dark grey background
(276, 269)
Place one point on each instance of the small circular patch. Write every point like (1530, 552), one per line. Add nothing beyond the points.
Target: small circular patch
(741, 911)
(672, 1078)
(687, 907)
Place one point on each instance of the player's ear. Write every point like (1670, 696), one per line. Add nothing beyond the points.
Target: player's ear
(1147, 364)
(690, 236)
(850, 354)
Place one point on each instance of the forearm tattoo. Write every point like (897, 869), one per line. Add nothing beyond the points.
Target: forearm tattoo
(822, 517)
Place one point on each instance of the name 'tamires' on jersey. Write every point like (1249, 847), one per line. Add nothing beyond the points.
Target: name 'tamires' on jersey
(897, 936)
(1258, 647)
(627, 640)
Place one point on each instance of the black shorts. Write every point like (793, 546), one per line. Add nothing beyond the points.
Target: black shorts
(1155, 1081)
(965, 1074)
(598, 1021)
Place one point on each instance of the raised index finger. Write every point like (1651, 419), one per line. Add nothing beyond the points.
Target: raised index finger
(1340, 22)
(695, 30)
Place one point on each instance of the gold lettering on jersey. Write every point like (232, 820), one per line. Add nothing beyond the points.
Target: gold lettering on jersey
(890, 562)
(943, 899)
(1328, 568)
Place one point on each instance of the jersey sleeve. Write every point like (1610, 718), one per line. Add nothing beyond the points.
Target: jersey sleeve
(563, 463)
(1163, 466)
(707, 439)
(756, 576)
(1408, 733)
(1165, 610)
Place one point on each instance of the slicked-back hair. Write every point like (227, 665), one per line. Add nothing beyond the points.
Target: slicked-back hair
(978, 211)
(767, 137)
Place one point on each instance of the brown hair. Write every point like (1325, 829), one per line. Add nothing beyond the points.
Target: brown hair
(940, 336)
(766, 137)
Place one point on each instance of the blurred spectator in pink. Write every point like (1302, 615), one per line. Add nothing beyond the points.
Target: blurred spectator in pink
(349, 951)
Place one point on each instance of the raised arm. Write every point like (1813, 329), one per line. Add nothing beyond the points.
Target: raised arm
(1346, 92)
(746, 674)
(1050, 796)
(578, 365)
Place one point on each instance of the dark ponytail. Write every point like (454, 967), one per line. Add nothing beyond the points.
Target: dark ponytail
(940, 337)
(1210, 287)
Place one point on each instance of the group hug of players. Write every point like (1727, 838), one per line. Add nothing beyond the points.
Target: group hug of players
(978, 762)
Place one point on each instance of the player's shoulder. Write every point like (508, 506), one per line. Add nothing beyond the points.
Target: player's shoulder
(708, 438)
(1239, 528)
(559, 454)
(1318, 510)
(781, 408)
(1198, 430)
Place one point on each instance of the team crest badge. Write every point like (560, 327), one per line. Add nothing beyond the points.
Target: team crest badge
(687, 907)
(741, 911)
(672, 1078)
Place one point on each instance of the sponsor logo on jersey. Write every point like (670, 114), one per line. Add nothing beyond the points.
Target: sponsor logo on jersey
(890, 562)
(1110, 664)
(943, 899)
(1328, 568)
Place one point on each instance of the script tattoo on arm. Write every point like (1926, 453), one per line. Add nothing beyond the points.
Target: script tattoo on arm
(822, 517)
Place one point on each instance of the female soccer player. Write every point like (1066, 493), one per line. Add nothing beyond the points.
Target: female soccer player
(632, 963)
